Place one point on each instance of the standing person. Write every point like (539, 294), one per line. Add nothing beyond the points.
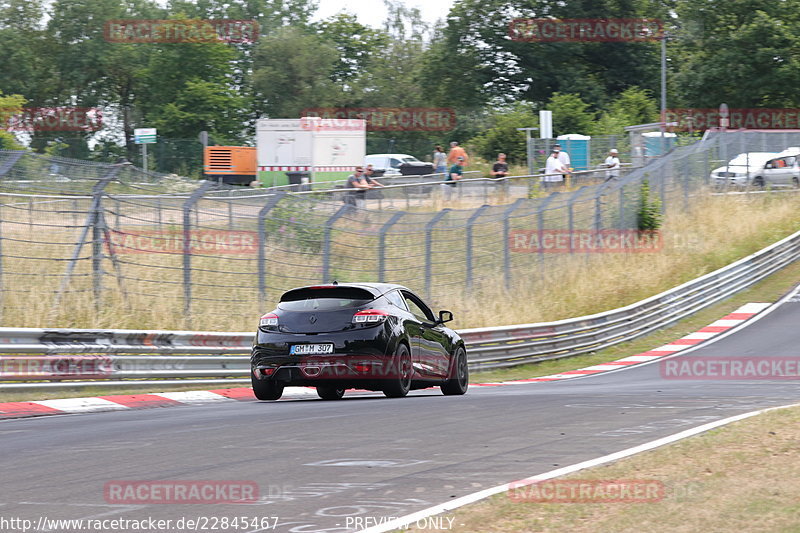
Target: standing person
(358, 185)
(455, 152)
(455, 174)
(565, 160)
(368, 172)
(612, 164)
(562, 155)
(554, 171)
(500, 168)
(439, 160)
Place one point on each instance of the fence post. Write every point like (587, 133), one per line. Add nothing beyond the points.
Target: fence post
(470, 222)
(540, 220)
(262, 243)
(2, 288)
(326, 243)
(428, 248)
(571, 213)
(230, 215)
(382, 244)
(188, 205)
(91, 222)
(506, 237)
(598, 205)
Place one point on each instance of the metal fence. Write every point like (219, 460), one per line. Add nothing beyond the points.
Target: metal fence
(79, 238)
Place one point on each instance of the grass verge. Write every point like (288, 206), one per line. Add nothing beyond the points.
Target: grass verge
(749, 483)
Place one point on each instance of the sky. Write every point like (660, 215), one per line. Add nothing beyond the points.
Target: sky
(373, 12)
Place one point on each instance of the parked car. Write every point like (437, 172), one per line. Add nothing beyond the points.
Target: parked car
(391, 163)
(784, 170)
(742, 169)
(374, 336)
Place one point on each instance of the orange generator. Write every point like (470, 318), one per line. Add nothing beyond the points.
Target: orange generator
(235, 165)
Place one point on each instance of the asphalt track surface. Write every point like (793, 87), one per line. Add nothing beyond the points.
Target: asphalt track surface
(318, 464)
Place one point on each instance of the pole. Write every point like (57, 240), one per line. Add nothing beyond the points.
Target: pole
(663, 93)
(144, 156)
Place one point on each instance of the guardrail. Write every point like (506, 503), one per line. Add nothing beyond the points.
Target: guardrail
(48, 358)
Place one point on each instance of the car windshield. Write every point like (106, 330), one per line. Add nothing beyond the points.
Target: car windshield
(324, 299)
(410, 159)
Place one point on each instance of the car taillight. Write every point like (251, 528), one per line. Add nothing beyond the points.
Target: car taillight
(270, 319)
(369, 316)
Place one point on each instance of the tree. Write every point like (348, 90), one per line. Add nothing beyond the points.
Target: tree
(292, 71)
(633, 106)
(503, 136)
(745, 54)
(9, 106)
(570, 114)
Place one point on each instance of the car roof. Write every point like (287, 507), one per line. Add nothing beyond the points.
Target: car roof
(390, 155)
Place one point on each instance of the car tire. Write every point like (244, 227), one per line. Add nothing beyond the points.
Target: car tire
(459, 375)
(796, 182)
(399, 386)
(266, 390)
(758, 181)
(329, 392)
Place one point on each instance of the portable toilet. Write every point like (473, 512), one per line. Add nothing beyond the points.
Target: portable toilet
(657, 143)
(577, 146)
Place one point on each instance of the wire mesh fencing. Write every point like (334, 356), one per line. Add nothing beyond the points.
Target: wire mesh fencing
(82, 240)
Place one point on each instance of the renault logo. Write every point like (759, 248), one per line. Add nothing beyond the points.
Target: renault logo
(312, 318)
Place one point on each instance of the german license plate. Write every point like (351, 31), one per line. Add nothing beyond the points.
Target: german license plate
(311, 349)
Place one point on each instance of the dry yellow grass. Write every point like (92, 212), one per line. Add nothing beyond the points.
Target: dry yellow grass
(716, 231)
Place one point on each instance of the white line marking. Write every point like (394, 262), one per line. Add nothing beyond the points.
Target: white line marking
(702, 335)
(195, 396)
(82, 405)
(671, 347)
(725, 323)
(753, 308)
(474, 497)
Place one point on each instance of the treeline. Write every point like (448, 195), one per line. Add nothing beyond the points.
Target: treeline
(56, 53)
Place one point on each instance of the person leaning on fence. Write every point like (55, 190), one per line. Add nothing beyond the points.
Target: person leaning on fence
(500, 168)
(612, 164)
(358, 185)
(456, 173)
(554, 171)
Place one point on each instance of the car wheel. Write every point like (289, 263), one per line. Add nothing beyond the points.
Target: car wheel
(329, 392)
(796, 182)
(459, 375)
(399, 386)
(758, 181)
(266, 390)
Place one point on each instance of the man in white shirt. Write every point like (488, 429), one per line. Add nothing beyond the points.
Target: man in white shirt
(562, 155)
(554, 171)
(612, 164)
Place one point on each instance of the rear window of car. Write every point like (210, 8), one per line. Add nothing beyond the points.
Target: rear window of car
(324, 299)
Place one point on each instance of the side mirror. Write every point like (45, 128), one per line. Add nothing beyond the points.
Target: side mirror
(445, 316)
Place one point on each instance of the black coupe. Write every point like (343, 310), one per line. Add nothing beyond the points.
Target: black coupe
(373, 336)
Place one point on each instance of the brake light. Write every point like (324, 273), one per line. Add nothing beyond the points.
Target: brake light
(270, 319)
(372, 316)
